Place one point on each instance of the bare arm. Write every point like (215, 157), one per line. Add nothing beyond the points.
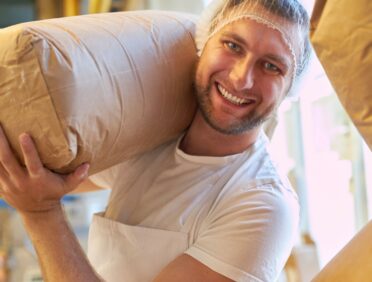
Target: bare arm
(36, 193)
(185, 268)
(60, 256)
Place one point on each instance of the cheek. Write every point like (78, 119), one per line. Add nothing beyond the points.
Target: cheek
(273, 90)
(212, 64)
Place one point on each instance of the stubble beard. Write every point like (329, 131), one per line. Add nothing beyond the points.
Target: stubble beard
(252, 120)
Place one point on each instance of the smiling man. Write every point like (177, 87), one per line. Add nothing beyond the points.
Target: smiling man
(244, 73)
(210, 206)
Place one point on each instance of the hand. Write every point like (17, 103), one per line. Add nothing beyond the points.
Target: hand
(33, 188)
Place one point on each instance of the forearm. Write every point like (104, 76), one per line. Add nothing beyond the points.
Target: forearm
(36, 193)
(60, 254)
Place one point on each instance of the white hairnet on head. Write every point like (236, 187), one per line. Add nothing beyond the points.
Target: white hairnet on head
(288, 17)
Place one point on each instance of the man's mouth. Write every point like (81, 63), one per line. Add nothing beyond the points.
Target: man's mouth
(231, 98)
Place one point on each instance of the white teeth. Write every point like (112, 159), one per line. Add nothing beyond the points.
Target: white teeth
(231, 98)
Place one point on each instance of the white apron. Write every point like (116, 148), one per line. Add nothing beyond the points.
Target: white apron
(120, 252)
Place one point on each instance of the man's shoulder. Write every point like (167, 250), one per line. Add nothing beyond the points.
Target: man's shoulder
(260, 172)
(258, 162)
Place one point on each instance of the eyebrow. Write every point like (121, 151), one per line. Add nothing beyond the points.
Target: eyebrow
(277, 58)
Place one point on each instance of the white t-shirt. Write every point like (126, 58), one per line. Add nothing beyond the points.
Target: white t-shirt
(240, 214)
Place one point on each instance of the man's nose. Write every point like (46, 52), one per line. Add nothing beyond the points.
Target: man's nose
(242, 74)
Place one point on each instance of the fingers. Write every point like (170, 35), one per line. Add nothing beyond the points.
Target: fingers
(3, 179)
(30, 154)
(7, 158)
(5, 182)
(77, 177)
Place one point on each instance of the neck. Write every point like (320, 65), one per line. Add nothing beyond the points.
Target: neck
(203, 140)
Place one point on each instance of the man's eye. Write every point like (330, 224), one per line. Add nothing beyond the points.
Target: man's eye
(271, 68)
(232, 46)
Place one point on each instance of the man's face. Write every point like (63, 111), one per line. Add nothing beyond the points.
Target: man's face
(242, 76)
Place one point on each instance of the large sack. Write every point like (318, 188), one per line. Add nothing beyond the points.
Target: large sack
(342, 38)
(353, 263)
(97, 88)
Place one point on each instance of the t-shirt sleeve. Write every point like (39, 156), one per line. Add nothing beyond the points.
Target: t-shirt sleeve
(109, 177)
(122, 173)
(105, 178)
(248, 236)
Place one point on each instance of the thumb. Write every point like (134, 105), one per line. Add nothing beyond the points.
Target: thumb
(77, 177)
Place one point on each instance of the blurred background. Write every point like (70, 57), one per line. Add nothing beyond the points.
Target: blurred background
(314, 142)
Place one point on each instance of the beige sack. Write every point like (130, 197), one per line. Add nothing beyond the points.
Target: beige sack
(342, 38)
(97, 88)
(353, 263)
